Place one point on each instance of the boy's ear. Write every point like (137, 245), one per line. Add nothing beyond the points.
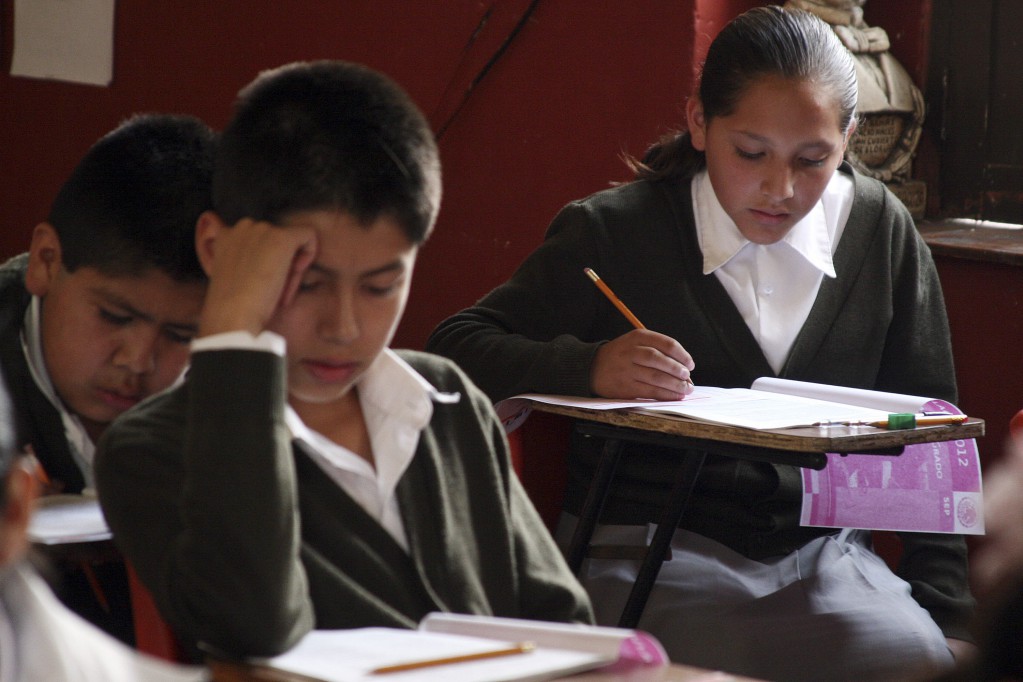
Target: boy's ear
(697, 123)
(45, 259)
(207, 230)
(16, 513)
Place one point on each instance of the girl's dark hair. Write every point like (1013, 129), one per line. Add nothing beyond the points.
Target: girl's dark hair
(765, 41)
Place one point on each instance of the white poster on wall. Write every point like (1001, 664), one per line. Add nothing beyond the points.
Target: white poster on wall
(67, 40)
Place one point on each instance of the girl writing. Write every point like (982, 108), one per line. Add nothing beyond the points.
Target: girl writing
(747, 239)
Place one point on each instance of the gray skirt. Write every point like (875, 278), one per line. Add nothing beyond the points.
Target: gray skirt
(831, 610)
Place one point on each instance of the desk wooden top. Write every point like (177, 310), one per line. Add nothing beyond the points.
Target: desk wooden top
(805, 439)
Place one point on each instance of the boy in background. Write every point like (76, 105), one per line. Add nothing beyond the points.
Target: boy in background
(99, 313)
(305, 475)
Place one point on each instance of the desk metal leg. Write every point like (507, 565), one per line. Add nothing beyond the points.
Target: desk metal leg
(685, 481)
(594, 504)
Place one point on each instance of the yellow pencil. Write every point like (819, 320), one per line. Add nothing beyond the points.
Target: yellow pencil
(520, 648)
(614, 299)
(926, 420)
(902, 421)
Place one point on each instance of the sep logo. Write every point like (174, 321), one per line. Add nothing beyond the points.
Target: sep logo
(966, 512)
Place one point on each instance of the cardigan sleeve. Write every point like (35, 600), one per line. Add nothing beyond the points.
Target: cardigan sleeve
(199, 490)
(917, 356)
(480, 521)
(918, 360)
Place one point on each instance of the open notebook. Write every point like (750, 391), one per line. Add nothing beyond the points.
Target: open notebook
(553, 650)
(770, 403)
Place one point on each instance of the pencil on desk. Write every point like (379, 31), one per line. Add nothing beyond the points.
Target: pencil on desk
(901, 421)
(520, 648)
(614, 299)
(921, 421)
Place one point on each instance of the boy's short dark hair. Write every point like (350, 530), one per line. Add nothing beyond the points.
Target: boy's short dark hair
(328, 135)
(132, 202)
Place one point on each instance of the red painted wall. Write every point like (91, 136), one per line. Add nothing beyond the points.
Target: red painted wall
(581, 83)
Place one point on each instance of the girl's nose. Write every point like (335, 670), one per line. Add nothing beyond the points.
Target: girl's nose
(777, 184)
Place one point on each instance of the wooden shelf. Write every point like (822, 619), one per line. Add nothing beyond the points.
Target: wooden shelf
(974, 240)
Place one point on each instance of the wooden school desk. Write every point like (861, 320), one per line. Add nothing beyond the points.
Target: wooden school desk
(803, 447)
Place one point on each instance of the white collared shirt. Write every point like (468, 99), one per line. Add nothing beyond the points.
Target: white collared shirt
(397, 403)
(81, 446)
(772, 285)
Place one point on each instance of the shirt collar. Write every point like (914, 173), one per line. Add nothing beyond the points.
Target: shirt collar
(80, 444)
(720, 239)
(390, 389)
(31, 344)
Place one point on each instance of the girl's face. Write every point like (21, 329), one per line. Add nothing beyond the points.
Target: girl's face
(770, 160)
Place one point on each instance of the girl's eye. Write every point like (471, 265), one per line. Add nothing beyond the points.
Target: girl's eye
(113, 318)
(309, 285)
(813, 163)
(743, 154)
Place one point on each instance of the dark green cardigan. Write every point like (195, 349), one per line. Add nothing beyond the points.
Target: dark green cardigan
(246, 543)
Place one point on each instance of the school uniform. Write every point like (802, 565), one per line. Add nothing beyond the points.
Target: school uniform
(249, 533)
(39, 420)
(62, 447)
(877, 321)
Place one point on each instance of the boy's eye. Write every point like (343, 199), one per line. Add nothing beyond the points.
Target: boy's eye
(743, 154)
(114, 318)
(813, 163)
(182, 338)
(383, 286)
(379, 290)
(309, 285)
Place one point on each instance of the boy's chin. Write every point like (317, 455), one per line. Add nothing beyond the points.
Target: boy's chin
(319, 395)
(96, 421)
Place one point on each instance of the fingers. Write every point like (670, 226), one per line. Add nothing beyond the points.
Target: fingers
(256, 268)
(669, 353)
(300, 263)
(642, 364)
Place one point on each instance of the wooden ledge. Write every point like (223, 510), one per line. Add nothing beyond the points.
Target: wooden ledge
(974, 240)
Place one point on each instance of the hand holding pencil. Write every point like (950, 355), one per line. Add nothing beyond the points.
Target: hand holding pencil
(640, 363)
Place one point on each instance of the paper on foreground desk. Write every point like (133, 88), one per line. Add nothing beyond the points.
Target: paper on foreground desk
(560, 649)
(933, 486)
(65, 519)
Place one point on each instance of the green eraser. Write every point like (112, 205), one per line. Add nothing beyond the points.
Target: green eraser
(902, 420)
